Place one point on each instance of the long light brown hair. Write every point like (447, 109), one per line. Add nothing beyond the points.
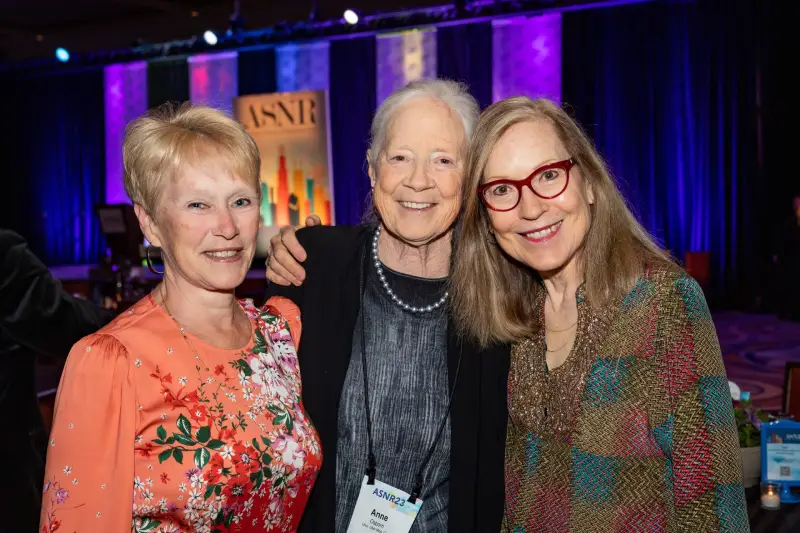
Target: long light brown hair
(493, 296)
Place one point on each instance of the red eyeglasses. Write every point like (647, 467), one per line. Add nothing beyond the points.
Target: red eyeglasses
(546, 182)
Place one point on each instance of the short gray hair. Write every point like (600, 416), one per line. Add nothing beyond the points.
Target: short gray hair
(452, 93)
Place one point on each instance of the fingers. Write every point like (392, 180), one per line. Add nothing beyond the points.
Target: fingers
(285, 254)
(283, 264)
(292, 245)
(276, 260)
(313, 220)
(274, 277)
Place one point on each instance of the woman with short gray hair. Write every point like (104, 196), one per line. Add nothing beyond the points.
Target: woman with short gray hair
(405, 409)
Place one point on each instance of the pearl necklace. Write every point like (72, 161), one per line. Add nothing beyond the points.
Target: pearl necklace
(396, 299)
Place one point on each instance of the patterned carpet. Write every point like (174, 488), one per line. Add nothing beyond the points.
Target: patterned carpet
(756, 349)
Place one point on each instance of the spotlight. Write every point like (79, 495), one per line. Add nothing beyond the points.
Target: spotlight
(210, 37)
(62, 54)
(351, 17)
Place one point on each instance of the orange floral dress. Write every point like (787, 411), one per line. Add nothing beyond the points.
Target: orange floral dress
(155, 432)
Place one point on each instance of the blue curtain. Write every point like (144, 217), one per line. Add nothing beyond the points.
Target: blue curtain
(464, 53)
(167, 81)
(352, 104)
(59, 142)
(257, 71)
(668, 92)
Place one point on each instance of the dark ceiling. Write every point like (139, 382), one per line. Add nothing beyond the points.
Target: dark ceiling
(35, 28)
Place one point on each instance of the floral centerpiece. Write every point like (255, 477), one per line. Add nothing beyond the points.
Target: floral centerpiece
(748, 424)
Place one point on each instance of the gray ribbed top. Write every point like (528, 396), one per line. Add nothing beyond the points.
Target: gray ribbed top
(408, 385)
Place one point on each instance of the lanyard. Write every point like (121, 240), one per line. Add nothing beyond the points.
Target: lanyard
(372, 464)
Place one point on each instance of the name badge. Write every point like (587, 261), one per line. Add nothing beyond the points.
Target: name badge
(384, 509)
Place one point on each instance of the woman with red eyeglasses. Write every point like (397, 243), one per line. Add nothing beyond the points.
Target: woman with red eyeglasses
(620, 416)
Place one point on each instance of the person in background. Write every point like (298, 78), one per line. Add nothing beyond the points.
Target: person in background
(620, 411)
(37, 319)
(399, 399)
(185, 413)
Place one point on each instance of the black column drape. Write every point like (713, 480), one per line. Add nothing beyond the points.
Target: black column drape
(16, 212)
(780, 113)
(167, 81)
(257, 71)
(352, 104)
(779, 116)
(464, 53)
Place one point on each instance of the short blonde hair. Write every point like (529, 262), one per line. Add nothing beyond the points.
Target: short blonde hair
(158, 144)
(493, 297)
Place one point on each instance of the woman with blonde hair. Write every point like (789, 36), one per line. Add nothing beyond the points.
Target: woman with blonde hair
(185, 413)
(620, 415)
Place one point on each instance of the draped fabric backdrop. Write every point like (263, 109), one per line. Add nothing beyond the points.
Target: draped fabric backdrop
(352, 103)
(667, 90)
(16, 210)
(62, 156)
(214, 80)
(526, 57)
(167, 81)
(464, 53)
(257, 71)
(125, 99)
(302, 67)
(780, 113)
(404, 57)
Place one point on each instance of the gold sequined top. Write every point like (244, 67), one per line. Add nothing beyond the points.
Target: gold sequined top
(635, 430)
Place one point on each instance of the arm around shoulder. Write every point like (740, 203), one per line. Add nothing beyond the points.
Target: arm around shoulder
(293, 292)
(327, 249)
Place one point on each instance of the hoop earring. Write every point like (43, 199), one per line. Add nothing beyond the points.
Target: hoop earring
(150, 262)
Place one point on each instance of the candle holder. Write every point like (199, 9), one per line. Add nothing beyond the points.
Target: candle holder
(770, 496)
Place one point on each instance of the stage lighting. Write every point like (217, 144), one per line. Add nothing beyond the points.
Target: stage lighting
(210, 37)
(351, 17)
(62, 54)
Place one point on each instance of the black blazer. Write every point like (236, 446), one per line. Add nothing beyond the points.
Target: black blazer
(37, 317)
(329, 302)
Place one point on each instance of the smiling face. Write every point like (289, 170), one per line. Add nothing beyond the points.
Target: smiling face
(417, 178)
(546, 235)
(206, 224)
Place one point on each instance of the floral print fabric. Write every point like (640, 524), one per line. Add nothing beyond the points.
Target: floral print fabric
(157, 433)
